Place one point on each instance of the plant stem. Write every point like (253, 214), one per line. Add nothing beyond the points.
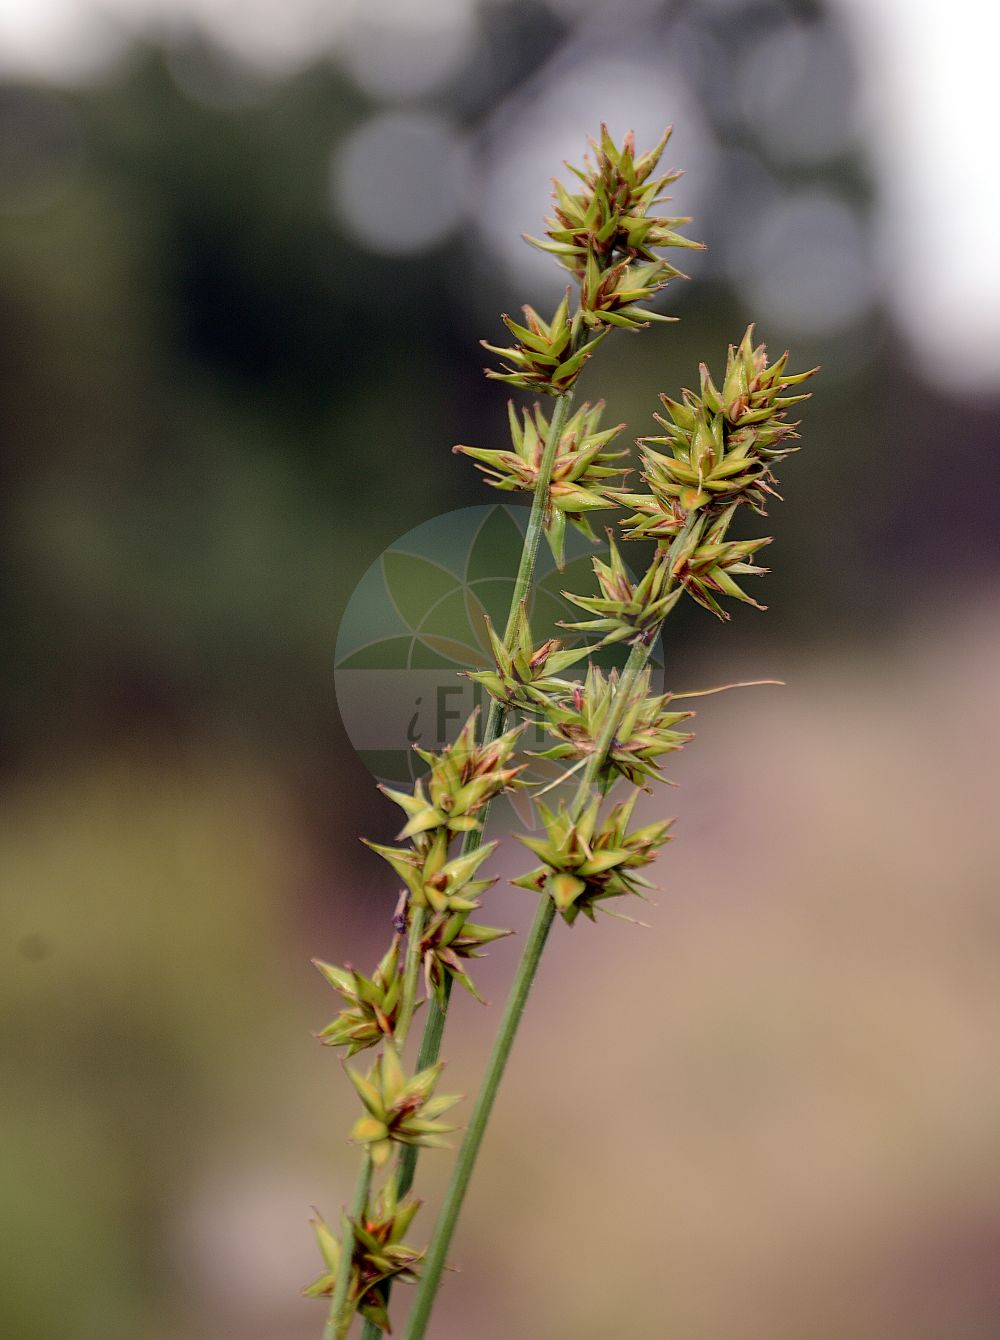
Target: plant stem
(464, 1164)
(430, 1048)
(544, 915)
(411, 972)
(339, 1319)
(496, 719)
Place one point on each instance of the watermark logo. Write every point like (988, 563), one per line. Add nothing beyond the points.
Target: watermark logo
(417, 619)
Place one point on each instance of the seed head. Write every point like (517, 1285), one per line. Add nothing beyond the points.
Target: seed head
(526, 676)
(434, 881)
(399, 1110)
(627, 611)
(547, 355)
(722, 445)
(463, 778)
(448, 939)
(373, 1003)
(608, 214)
(581, 469)
(645, 733)
(586, 862)
(379, 1256)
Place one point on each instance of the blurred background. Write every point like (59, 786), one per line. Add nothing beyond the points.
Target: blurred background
(247, 250)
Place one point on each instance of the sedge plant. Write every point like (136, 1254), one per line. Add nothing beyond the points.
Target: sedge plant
(713, 458)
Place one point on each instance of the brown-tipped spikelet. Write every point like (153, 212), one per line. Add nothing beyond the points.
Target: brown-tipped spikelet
(379, 1257)
(448, 940)
(373, 1003)
(399, 1110)
(582, 468)
(462, 779)
(548, 355)
(723, 445)
(586, 862)
(432, 880)
(527, 676)
(707, 569)
(644, 733)
(609, 213)
(626, 611)
(611, 297)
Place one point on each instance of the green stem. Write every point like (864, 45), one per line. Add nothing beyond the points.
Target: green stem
(411, 972)
(430, 1048)
(339, 1319)
(464, 1164)
(496, 719)
(544, 915)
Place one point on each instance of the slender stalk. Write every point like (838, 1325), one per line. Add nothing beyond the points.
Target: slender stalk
(430, 1049)
(496, 719)
(339, 1319)
(464, 1164)
(544, 915)
(411, 972)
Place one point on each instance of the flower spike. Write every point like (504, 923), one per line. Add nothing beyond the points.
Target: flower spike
(379, 1257)
(586, 862)
(373, 1003)
(644, 734)
(432, 880)
(544, 357)
(399, 1110)
(527, 676)
(447, 940)
(722, 445)
(581, 471)
(627, 611)
(609, 214)
(463, 778)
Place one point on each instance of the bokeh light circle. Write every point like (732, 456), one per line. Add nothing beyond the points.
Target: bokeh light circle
(797, 91)
(406, 48)
(399, 182)
(805, 264)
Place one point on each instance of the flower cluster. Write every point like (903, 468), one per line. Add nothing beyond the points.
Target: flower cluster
(526, 676)
(448, 938)
(372, 1003)
(461, 781)
(644, 728)
(547, 355)
(707, 567)
(441, 888)
(723, 447)
(399, 1110)
(611, 297)
(582, 467)
(606, 235)
(626, 610)
(587, 861)
(435, 880)
(722, 444)
(610, 214)
(379, 1255)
